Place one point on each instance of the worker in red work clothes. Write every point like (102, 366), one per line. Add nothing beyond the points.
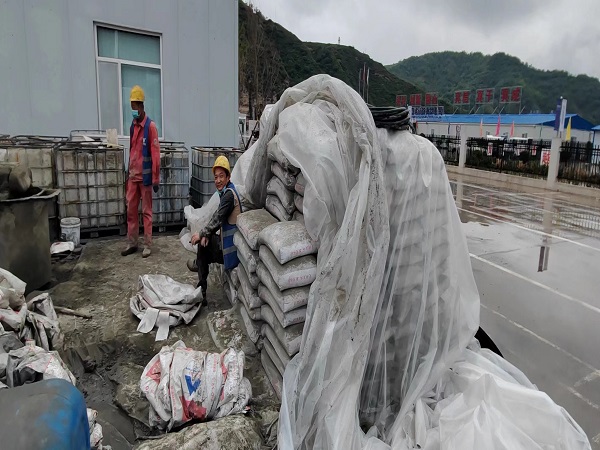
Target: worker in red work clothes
(144, 173)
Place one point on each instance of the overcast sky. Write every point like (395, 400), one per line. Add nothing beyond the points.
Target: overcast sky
(548, 34)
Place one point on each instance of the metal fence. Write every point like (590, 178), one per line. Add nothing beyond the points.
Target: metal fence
(579, 163)
(448, 146)
(524, 157)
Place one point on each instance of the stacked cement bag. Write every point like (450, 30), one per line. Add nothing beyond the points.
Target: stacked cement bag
(287, 267)
(280, 190)
(250, 224)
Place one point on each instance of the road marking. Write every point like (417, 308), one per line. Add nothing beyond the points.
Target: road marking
(530, 229)
(538, 284)
(588, 378)
(581, 397)
(537, 336)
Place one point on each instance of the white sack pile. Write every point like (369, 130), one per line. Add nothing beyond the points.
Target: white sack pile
(388, 359)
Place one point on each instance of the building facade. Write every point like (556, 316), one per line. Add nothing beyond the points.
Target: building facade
(529, 126)
(70, 64)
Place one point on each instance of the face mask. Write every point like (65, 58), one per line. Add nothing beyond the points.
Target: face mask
(135, 113)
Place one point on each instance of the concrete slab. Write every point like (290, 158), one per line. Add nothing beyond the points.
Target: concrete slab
(536, 260)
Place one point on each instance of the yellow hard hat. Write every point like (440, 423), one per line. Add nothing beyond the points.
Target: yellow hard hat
(137, 94)
(223, 163)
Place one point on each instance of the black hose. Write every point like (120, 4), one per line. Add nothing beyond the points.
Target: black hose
(391, 117)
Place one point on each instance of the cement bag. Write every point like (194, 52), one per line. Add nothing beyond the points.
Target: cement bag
(286, 197)
(299, 203)
(253, 327)
(274, 206)
(43, 323)
(288, 241)
(230, 291)
(235, 278)
(288, 300)
(182, 384)
(198, 218)
(247, 288)
(286, 319)
(279, 365)
(290, 337)
(251, 223)
(296, 273)
(12, 290)
(244, 251)
(299, 217)
(252, 277)
(274, 154)
(287, 178)
(30, 363)
(280, 352)
(253, 313)
(164, 302)
(300, 185)
(272, 372)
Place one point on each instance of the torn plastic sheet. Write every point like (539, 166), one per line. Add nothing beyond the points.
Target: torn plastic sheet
(183, 384)
(162, 302)
(394, 304)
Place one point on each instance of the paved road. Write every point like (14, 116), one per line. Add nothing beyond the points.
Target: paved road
(536, 261)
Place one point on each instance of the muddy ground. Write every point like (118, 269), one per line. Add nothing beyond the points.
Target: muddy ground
(107, 354)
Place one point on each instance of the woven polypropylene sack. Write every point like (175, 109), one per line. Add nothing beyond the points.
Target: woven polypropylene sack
(274, 206)
(289, 337)
(286, 319)
(286, 197)
(296, 273)
(244, 251)
(288, 241)
(288, 300)
(286, 177)
(251, 223)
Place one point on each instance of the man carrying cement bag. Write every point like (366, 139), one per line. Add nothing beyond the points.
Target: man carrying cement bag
(214, 248)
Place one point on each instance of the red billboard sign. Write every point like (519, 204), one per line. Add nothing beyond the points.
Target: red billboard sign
(458, 97)
(466, 97)
(431, 99)
(484, 96)
(515, 94)
(401, 100)
(505, 95)
(415, 99)
(479, 96)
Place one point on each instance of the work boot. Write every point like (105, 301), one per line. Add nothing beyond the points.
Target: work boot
(130, 250)
(147, 252)
(191, 264)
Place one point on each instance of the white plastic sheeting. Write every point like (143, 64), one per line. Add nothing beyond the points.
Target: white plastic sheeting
(384, 362)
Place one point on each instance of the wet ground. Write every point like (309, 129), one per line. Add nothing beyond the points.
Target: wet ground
(536, 260)
(107, 354)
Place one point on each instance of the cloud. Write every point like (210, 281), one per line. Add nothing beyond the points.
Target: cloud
(548, 34)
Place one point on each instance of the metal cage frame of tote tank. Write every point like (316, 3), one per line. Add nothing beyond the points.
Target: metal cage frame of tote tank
(91, 178)
(174, 189)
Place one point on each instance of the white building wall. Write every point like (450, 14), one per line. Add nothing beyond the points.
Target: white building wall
(48, 74)
(472, 130)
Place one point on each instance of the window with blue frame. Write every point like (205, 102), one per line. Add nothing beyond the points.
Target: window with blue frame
(124, 59)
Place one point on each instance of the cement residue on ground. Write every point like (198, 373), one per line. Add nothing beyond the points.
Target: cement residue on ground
(106, 352)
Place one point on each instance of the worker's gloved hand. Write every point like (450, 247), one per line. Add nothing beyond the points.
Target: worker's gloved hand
(155, 188)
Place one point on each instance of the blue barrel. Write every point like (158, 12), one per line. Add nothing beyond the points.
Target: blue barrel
(47, 415)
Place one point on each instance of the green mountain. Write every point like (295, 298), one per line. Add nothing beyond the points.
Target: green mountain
(272, 59)
(446, 72)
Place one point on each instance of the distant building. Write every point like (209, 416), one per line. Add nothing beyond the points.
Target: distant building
(70, 64)
(529, 126)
